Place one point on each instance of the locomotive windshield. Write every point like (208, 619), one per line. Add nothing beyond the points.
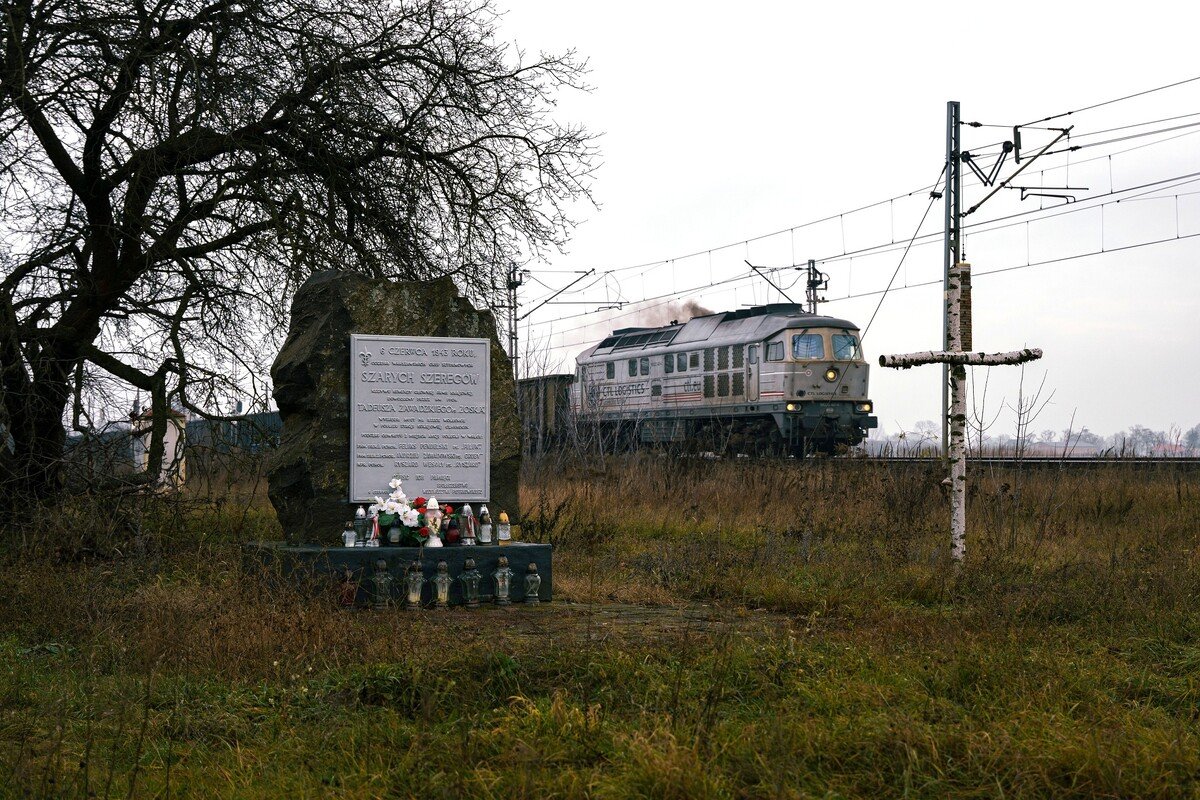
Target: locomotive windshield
(808, 346)
(845, 347)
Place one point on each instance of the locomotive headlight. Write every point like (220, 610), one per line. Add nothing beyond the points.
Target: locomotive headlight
(863, 407)
(792, 406)
(831, 374)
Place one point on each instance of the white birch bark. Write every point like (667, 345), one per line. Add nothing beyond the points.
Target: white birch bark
(910, 360)
(958, 420)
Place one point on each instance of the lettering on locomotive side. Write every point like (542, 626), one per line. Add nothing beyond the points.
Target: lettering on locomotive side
(623, 389)
(598, 393)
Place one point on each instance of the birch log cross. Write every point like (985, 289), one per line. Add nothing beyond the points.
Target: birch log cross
(958, 294)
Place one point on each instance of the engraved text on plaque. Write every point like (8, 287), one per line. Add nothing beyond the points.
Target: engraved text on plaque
(420, 410)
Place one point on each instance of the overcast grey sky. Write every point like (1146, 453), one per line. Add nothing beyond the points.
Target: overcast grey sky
(725, 122)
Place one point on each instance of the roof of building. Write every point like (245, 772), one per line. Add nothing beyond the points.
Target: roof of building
(755, 323)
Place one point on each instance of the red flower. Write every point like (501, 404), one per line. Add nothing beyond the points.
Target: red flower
(423, 533)
(420, 503)
(448, 509)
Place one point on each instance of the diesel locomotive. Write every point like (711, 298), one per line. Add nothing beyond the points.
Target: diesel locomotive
(767, 379)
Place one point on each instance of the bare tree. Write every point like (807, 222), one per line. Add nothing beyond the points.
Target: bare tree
(172, 171)
(1191, 440)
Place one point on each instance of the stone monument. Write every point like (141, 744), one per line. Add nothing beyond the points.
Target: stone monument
(310, 472)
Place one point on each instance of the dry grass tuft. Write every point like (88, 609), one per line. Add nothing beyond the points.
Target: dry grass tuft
(722, 628)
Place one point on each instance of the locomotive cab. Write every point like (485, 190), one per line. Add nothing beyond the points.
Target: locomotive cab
(823, 379)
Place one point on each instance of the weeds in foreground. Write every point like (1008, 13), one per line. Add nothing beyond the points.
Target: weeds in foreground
(720, 629)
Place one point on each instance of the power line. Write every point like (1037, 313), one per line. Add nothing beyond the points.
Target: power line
(1049, 213)
(664, 261)
(678, 293)
(938, 281)
(932, 199)
(1078, 147)
(1032, 264)
(884, 248)
(1103, 156)
(1135, 125)
(879, 248)
(884, 291)
(1114, 100)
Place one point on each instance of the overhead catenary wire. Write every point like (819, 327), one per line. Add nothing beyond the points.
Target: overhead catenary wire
(1192, 179)
(1042, 263)
(938, 281)
(831, 217)
(933, 198)
(1135, 125)
(881, 249)
(1114, 100)
(1039, 214)
(980, 227)
(1077, 147)
(739, 242)
(679, 294)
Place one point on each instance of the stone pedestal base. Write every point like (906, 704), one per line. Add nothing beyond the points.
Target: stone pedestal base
(322, 569)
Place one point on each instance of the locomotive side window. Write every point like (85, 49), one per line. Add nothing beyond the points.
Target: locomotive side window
(753, 356)
(739, 384)
(693, 361)
(723, 385)
(681, 362)
(845, 347)
(633, 367)
(709, 359)
(774, 351)
(668, 363)
(610, 369)
(807, 346)
(645, 365)
(723, 357)
(738, 357)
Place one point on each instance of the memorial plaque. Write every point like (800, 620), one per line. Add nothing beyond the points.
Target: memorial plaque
(420, 410)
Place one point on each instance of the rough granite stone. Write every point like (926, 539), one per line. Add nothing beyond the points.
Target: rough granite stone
(309, 473)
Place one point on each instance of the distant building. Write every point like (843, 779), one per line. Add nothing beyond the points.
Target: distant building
(174, 464)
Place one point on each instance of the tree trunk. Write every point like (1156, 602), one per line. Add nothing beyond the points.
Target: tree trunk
(32, 403)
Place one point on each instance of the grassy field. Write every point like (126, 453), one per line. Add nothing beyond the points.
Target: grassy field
(720, 629)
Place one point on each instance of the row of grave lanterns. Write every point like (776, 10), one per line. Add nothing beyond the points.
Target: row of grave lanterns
(471, 580)
(463, 528)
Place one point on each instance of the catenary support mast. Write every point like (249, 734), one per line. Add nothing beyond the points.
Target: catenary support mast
(952, 246)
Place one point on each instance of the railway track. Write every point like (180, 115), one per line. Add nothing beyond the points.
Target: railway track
(1045, 462)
